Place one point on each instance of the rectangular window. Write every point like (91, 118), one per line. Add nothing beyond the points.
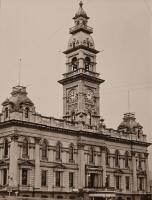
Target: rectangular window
(58, 179)
(71, 179)
(4, 176)
(92, 180)
(43, 178)
(141, 183)
(24, 176)
(117, 182)
(107, 181)
(127, 182)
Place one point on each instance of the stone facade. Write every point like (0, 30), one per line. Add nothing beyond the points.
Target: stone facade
(77, 156)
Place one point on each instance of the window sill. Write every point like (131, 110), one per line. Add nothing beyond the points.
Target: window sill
(25, 157)
(58, 187)
(59, 160)
(72, 161)
(44, 159)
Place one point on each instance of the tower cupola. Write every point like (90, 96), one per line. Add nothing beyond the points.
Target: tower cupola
(18, 102)
(130, 125)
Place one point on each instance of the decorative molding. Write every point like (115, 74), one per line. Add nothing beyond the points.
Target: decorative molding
(14, 137)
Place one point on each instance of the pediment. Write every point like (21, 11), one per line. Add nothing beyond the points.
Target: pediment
(141, 172)
(26, 163)
(59, 166)
(118, 171)
(2, 162)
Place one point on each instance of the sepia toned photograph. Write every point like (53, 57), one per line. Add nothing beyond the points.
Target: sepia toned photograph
(76, 99)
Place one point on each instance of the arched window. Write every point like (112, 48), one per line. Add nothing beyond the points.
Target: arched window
(25, 148)
(6, 113)
(91, 155)
(6, 148)
(74, 64)
(44, 149)
(117, 158)
(58, 151)
(71, 152)
(87, 64)
(27, 112)
(107, 157)
(126, 159)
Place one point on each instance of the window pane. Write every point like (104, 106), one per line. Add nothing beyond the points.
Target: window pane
(71, 175)
(58, 152)
(4, 176)
(25, 148)
(44, 150)
(91, 155)
(117, 182)
(71, 152)
(6, 148)
(58, 179)
(127, 182)
(24, 176)
(44, 178)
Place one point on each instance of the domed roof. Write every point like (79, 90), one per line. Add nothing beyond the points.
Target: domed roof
(81, 38)
(19, 96)
(81, 12)
(129, 122)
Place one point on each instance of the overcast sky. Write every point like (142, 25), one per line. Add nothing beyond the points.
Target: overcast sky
(38, 31)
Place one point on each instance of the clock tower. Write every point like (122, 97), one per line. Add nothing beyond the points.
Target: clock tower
(81, 81)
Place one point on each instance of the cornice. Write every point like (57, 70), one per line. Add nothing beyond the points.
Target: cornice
(79, 133)
(80, 76)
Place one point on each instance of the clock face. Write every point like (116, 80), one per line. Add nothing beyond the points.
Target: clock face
(90, 95)
(72, 95)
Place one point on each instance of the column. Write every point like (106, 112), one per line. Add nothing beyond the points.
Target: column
(134, 171)
(103, 164)
(37, 164)
(81, 164)
(13, 166)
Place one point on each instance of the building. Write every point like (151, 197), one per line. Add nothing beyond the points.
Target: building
(77, 156)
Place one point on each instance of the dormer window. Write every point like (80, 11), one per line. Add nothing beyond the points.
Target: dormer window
(6, 113)
(25, 148)
(27, 112)
(74, 64)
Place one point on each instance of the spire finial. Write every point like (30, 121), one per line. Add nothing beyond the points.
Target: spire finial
(128, 101)
(19, 71)
(81, 4)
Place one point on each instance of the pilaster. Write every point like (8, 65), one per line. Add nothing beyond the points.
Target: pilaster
(37, 163)
(103, 163)
(134, 171)
(13, 166)
(81, 163)
(147, 181)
